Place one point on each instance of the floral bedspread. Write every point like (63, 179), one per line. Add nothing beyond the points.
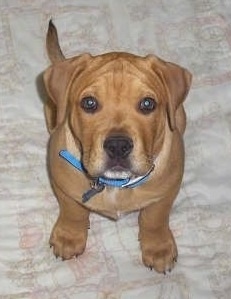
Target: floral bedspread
(195, 34)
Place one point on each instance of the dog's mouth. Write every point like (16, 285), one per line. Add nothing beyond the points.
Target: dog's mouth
(118, 172)
(118, 168)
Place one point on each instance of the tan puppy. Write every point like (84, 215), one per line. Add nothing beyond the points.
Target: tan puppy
(120, 118)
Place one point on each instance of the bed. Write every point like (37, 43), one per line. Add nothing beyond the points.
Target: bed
(195, 34)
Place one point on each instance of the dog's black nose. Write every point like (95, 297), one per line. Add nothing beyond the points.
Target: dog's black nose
(118, 146)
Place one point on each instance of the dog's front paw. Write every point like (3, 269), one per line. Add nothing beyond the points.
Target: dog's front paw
(66, 241)
(159, 250)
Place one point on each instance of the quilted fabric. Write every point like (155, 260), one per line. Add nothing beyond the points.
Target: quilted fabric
(195, 34)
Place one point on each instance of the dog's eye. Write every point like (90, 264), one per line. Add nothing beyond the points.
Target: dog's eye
(147, 105)
(89, 104)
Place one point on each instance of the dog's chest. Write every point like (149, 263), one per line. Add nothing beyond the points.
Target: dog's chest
(112, 195)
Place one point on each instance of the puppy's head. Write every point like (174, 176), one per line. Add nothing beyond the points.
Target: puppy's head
(117, 106)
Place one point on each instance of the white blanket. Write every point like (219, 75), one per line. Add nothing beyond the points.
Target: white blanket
(195, 34)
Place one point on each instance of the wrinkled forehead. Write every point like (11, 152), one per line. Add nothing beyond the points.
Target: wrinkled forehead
(119, 74)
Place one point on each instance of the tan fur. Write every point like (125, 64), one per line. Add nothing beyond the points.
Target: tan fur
(119, 81)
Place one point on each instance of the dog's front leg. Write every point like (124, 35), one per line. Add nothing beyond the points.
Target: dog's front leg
(159, 250)
(69, 234)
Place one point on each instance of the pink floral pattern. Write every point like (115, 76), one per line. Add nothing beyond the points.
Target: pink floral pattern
(196, 34)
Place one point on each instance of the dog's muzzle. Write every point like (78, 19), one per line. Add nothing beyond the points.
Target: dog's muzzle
(118, 149)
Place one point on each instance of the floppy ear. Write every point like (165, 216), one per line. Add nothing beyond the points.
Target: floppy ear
(178, 81)
(58, 79)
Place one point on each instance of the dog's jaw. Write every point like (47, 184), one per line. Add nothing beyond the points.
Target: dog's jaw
(112, 174)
